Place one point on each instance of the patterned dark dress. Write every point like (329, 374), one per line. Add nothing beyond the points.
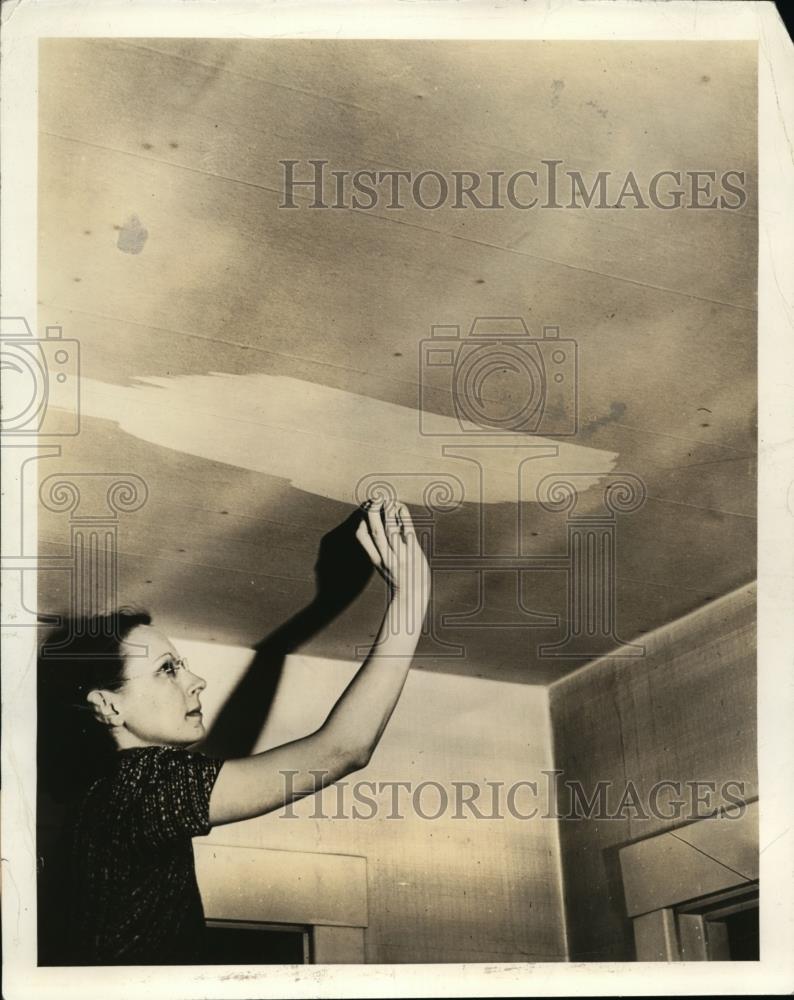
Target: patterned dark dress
(134, 898)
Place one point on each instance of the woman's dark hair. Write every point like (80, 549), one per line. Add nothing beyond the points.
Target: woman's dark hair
(82, 654)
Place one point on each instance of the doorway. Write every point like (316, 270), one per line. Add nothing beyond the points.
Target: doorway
(242, 942)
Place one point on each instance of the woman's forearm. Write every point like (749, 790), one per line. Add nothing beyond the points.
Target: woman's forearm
(356, 722)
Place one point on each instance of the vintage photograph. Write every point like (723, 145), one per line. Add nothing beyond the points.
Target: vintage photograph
(477, 319)
(390, 414)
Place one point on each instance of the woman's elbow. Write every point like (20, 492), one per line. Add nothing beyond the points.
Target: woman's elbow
(361, 758)
(342, 754)
(351, 759)
(340, 761)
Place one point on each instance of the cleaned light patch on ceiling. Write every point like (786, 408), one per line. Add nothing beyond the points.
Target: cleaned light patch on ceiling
(332, 443)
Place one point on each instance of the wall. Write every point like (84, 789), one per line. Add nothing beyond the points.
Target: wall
(443, 890)
(684, 712)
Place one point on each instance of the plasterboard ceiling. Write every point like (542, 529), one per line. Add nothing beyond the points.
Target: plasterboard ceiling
(254, 365)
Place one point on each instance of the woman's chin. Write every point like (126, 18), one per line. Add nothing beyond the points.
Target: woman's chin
(196, 727)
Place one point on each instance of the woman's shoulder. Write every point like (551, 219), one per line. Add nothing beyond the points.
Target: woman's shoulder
(133, 768)
(159, 793)
(145, 776)
(161, 759)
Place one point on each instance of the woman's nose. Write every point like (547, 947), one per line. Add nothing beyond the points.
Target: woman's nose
(196, 683)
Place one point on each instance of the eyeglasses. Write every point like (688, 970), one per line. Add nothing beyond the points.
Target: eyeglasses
(170, 668)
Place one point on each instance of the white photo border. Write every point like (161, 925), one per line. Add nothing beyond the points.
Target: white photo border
(23, 24)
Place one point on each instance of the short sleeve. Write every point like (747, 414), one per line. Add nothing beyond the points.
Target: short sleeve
(168, 794)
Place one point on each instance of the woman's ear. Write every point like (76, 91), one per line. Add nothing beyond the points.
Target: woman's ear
(104, 709)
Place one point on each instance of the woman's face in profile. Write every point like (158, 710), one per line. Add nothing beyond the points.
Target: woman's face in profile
(159, 701)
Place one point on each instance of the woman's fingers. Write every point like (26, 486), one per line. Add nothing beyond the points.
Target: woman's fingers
(377, 531)
(393, 526)
(404, 517)
(387, 534)
(363, 535)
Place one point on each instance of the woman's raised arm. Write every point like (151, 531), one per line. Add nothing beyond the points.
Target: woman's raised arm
(255, 785)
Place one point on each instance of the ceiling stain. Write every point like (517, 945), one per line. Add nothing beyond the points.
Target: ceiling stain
(329, 442)
(132, 236)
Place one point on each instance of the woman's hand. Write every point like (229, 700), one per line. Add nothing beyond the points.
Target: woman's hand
(387, 534)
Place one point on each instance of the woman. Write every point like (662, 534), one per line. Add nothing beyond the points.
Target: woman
(131, 880)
